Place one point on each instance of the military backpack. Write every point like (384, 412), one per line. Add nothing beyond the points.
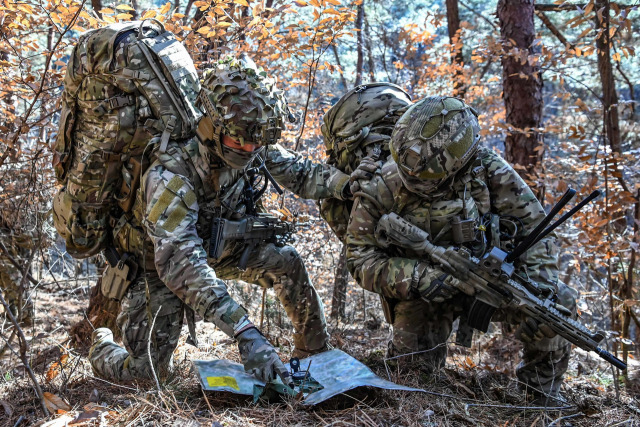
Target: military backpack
(128, 87)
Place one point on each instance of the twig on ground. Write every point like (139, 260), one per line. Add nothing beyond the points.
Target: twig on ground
(520, 408)
(153, 371)
(206, 399)
(113, 384)
(556, 422)
(23, 354)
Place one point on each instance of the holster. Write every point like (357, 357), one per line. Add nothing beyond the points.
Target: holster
(117, 278)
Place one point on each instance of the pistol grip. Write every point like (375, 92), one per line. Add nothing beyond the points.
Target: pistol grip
(244, 258)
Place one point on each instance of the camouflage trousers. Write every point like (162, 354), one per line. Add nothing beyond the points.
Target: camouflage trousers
(280, 268)
(424, 327)
(19, 300)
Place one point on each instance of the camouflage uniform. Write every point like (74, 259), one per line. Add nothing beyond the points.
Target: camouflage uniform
(11, 277)
(175, 206)
(488, 185)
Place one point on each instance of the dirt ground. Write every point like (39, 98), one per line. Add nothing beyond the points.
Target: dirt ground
(477, 387)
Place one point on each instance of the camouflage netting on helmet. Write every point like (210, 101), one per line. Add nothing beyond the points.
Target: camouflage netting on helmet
(243, 103)
(433, 140)
(366, 109)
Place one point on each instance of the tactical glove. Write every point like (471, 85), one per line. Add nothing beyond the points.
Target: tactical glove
(364, 172)
(530, 330)
(434, 285)
(260, 358)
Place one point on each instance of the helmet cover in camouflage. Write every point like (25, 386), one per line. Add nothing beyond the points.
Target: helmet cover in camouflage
(433, 140)
(350, 120)
(242, 102)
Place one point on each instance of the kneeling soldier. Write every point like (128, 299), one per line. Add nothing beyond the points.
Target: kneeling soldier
(441, 181)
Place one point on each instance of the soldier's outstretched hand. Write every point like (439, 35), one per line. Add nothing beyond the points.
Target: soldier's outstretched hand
(260, 358)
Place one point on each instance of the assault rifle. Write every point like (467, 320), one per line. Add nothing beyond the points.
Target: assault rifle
(252, 230)
(493, 281)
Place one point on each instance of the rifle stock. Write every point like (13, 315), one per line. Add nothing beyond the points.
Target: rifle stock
(494, 284)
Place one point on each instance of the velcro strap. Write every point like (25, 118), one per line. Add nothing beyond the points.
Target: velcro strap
(109, 157)
(136, 74)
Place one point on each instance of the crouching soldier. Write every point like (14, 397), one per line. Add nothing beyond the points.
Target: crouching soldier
(440, 180)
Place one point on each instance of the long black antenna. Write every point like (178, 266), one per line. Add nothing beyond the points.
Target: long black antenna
(532, 237)
(568, 215)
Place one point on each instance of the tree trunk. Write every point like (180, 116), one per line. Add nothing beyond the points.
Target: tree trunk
(188, 9)
(97, 7)
(453, 25)
(134, 5)
(367, 41)
(337, 56)
(522, 90)
(609, 95)
(338, 301)
(360, 43)
(102, 313)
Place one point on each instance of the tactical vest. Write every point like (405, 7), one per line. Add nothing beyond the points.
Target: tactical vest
(127, 86)
(459, 216)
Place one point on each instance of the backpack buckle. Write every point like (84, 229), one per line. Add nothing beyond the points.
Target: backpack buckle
(119, 101)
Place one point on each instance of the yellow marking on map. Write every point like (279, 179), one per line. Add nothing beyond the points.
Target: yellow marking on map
(223, 382)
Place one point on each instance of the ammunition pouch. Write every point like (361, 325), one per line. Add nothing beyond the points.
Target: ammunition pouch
(117, 278)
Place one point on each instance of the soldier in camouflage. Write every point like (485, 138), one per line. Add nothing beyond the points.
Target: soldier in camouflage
(182, 192)
(439, 178)
(18, 244)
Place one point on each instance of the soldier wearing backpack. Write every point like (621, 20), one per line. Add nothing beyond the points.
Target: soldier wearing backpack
(162, 231)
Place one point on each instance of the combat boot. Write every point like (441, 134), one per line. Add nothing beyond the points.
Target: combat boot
(100, 338)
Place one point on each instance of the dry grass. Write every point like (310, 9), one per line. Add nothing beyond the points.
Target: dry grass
(476, 388)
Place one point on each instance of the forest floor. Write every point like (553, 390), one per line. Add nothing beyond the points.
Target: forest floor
(477, 386)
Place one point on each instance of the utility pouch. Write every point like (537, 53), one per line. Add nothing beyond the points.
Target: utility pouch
(116, 279)
(464, 230)
(131, 173)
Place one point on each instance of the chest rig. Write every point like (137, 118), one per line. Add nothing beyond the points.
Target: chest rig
(455, 216)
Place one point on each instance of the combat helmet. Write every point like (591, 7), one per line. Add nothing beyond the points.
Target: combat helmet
(239, 100)
(433, 140)
(363, 115)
